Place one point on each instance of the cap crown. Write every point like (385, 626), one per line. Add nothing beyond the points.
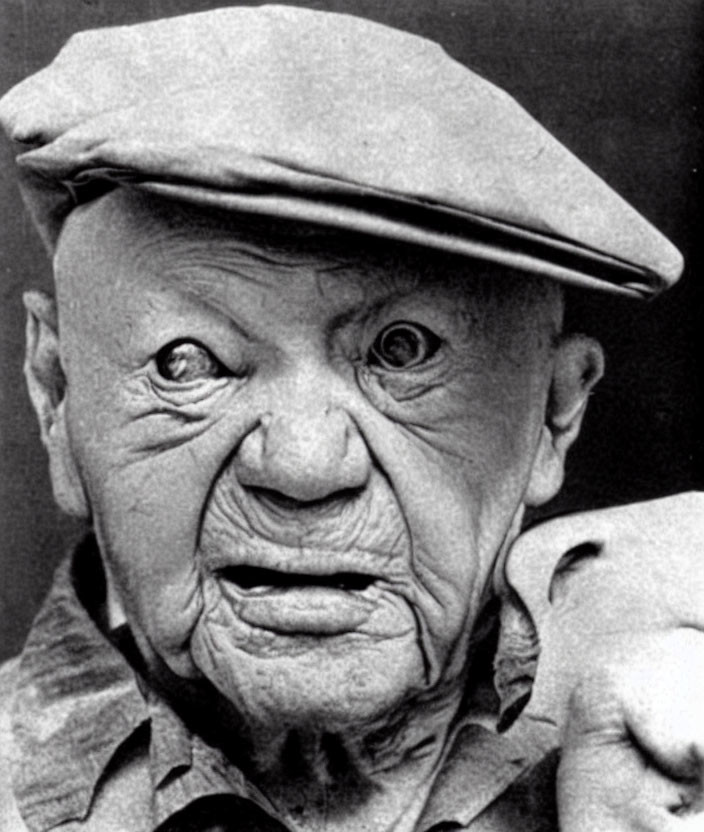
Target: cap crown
(326, 118)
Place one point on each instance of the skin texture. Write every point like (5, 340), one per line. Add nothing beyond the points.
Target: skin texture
(287, 444)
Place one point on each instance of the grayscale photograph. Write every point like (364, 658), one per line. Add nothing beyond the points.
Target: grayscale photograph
(351, 416)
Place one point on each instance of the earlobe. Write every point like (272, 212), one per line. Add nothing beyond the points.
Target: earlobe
(578, 366)
(46, 385)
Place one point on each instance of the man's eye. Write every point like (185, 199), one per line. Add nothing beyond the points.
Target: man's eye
(402, 345)
(187, 361)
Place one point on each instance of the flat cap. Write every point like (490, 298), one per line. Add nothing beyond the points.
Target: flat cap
(329, 119)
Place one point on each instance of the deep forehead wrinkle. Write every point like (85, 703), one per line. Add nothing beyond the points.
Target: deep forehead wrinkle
(127, 233)
(345, 291)
(188, 248)
(203, 250)
(256, 253)
(173, 233)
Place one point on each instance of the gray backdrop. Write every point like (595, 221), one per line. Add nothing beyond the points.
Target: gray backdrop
(619, 82)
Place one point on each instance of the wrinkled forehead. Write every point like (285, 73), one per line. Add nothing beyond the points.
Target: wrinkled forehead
(130, 235)
(128, 226)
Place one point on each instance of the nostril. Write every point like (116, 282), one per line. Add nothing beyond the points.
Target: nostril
(283, 502)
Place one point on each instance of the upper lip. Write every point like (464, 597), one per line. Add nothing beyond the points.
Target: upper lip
(248, 577)
(301, 559)
(292, 506)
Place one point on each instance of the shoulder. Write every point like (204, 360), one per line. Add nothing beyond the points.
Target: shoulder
(640, 552)
(10, 820)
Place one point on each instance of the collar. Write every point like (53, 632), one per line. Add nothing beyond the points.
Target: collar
(487, 775)
(79, 701)
(76, 703)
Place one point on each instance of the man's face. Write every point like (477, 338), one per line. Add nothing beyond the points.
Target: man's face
(301, 464)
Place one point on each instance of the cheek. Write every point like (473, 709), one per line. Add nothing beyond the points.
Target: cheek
(487, 421)
(483, 446)
(459, 466)
(147, 507)
(146, 521)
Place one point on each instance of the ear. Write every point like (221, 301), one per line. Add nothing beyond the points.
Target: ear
(578, 366)
(47, 386)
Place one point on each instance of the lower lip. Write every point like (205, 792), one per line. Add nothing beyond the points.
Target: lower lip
(312, 610)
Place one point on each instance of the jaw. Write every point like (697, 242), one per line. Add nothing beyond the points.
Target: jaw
(306, 703)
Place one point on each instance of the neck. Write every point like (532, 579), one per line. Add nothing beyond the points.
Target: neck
(375, 777)
(355, 778)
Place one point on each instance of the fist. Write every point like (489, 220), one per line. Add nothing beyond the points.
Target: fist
(633, 742)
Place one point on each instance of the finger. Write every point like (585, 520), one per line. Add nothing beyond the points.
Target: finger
(664, 709)
(693, 823)
(632, 751)
(606, 785)
(651, 693)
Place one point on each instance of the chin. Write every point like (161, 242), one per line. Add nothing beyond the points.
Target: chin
(309, 684)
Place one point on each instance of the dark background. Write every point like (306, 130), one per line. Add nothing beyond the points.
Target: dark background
(618, 82)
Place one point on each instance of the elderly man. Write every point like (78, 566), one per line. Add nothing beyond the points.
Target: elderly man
(304, 371)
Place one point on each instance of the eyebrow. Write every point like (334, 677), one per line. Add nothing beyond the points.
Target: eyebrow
(191, 287)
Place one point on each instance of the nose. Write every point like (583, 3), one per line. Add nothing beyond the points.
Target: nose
(306, 453)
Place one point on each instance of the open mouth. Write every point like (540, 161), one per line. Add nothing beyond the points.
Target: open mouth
(254, 577)
(298, 603)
